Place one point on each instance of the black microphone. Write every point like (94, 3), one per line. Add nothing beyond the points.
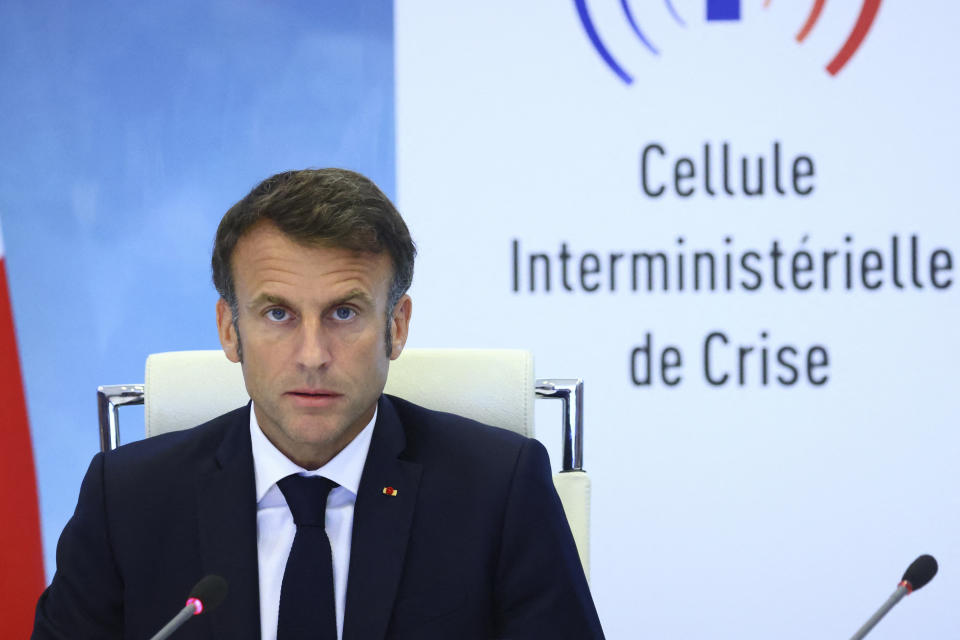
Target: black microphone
(917, 575)
(206, 595)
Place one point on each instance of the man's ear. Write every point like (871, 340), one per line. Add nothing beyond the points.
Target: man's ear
(229, 339)
(401, 326)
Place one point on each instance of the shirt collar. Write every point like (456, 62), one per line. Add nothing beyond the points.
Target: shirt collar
(271, 465)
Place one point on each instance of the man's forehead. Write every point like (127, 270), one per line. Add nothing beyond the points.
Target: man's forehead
(265, 241)
(268, 261)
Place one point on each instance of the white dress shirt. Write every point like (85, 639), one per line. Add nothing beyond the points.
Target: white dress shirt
(275, 527)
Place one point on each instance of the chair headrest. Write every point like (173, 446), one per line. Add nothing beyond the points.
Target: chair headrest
(495, 386)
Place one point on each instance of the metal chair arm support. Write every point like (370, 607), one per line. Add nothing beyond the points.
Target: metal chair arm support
(109, 400)
(570, 391)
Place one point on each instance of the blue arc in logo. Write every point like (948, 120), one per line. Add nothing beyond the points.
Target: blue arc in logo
(597, 44)
(673, 12)
(636, 27)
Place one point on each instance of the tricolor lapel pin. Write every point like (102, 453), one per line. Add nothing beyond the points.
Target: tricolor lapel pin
(389, 491)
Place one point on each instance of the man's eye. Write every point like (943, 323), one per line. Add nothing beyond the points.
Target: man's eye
(277, 314)
(344, 313)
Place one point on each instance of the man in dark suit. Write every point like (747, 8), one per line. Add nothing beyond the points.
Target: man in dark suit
(429, 526)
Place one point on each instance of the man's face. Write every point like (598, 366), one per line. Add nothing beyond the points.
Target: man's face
(311, 321)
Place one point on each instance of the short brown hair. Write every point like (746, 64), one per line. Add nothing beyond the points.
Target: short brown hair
(329, 207)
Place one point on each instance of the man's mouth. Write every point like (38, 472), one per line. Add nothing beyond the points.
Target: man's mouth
(313, 393)
(313, 397)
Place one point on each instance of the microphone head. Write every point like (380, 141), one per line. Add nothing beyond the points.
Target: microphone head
(920, 571)
(210, 591)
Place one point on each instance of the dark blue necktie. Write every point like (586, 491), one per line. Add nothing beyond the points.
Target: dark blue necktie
(307, 608)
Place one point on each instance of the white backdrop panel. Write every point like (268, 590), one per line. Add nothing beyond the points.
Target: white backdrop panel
(734, 511)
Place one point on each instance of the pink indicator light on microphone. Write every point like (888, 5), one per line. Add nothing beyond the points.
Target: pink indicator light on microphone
(197, 606)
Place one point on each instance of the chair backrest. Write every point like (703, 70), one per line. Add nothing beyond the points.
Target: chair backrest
(494, 386)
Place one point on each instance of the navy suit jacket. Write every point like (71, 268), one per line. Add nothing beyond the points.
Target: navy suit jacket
(474, 545)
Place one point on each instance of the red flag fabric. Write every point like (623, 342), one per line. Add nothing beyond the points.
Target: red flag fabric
(21, 555)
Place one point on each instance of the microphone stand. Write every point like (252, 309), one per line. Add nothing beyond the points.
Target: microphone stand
(902, 590)
(185, 614)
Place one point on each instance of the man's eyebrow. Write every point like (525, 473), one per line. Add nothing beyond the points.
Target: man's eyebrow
(358, 295)
(271, 298)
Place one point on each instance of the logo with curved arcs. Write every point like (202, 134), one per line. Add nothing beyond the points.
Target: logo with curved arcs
(728, 11)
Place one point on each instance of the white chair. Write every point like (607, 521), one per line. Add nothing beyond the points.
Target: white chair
(497, 387)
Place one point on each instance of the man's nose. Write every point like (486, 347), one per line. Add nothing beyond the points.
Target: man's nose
(313, 350)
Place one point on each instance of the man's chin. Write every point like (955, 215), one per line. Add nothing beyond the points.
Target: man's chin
(311, 433)
(310, 445)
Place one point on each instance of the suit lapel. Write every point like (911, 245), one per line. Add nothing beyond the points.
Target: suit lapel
(227, 504)
(381, 529)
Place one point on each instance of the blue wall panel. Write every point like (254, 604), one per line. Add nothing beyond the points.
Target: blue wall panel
(128, 129)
